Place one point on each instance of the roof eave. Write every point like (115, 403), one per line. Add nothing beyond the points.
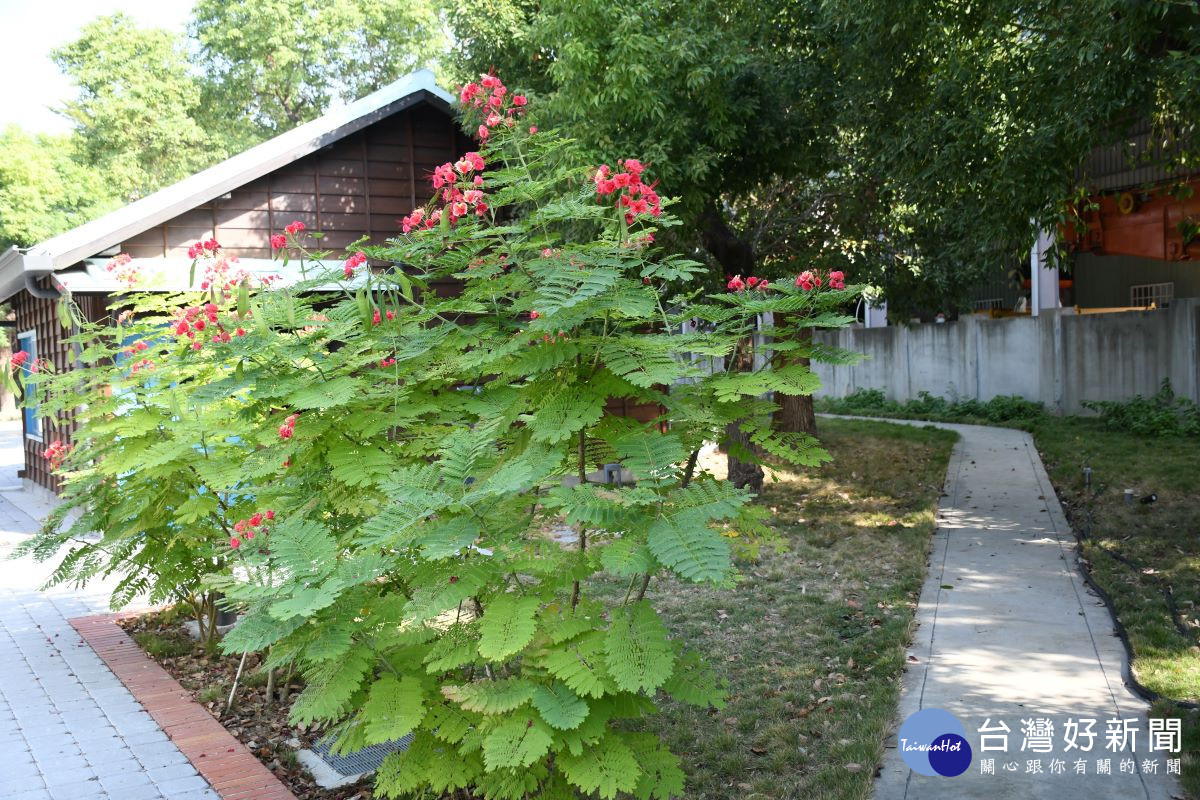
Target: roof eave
(16, 267)
(100, 234)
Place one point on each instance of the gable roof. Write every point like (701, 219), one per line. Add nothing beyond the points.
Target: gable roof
(111, 229)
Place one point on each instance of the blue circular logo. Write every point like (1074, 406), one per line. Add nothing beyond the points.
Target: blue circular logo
(934, 742)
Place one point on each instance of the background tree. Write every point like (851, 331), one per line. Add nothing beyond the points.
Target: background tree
(135, 111)
(717, 96)
(272, 64)
(44, 189)
(970, 122)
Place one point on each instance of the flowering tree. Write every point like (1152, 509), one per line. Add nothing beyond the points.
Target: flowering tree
(394, 467)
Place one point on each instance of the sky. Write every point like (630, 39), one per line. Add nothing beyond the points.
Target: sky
(31, 85)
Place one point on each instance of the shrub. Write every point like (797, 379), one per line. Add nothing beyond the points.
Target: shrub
(1162, 414)
(380, 473)
(868, 402)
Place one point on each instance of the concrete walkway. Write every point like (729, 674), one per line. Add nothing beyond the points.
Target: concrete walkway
(69, 730)
(1009, 632)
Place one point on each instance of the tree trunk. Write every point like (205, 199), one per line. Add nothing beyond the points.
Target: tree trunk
(796, 413)
(736, 257)
(742, 474)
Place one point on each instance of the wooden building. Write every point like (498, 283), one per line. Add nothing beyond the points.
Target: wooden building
(351, 173)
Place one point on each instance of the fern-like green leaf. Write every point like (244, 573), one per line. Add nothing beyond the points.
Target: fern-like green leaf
(640, 656)
(579, 663)
(304, 546)
(491, 697)
(507, 626)
(516, 742)
(662, 778)
(690, 548)
(394, 708)
(606, 769)
(559, 706)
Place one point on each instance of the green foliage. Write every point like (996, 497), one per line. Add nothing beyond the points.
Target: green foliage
(272, 64)
(384, 500)
(44, 189)
(872, 402)
(1161, 414)
(136, 105)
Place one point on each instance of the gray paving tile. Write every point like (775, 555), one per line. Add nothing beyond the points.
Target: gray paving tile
(64, 717)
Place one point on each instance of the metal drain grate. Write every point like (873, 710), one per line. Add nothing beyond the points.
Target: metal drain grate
(361, 761)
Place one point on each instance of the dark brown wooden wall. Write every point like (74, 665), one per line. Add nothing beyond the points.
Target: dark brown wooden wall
(40, 315)
(360, 186)
(357, 187)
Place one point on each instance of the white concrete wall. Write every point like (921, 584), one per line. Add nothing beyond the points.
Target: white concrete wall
(1058, 358)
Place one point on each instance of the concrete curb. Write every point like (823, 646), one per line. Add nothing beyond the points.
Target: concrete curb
(233, 771)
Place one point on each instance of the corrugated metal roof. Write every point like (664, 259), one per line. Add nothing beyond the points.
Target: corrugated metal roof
(98, 235)
(172, 275)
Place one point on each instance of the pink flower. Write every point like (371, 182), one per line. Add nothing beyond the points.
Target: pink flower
(211, 245)
(356, 260)
(837, 280)
(19, 358)
(482, 132)
(489, 81)
(468, 91)
(762, 284)
(736, 284)
(240, 332)
(235, 542)
(752, 281)
(493, 119)
(256, 519)
(270, 514)
(519, 100)
(294, 227)
(279, 241)
(807, 280)
(534, 314)
(532, 129)
(376, 318)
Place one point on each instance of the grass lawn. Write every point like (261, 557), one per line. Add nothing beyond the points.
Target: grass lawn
(1145, 556)
(812, 641)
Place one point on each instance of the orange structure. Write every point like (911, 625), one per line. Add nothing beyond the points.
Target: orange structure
(1160, 222)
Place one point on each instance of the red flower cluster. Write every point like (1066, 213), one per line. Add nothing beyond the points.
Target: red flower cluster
(811, 279)
(246, 527)
(418, 219)
(294, 227)
(491, 97)
(636, 197)
(19, 358)
(736, 284)
(356, 260)
(278, 241)
(56, 452)
(203, 248)
(123, 270)
(534, 314)
(288, 427)
(458, 202)
(196, 319)
(387, 362)
(143, 364)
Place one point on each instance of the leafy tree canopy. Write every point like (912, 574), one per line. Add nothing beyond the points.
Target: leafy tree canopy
(272, 64)
(136, 105)
(43, 188)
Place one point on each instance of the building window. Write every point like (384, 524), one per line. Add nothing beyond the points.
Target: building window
(27, 341)
(1151, 295)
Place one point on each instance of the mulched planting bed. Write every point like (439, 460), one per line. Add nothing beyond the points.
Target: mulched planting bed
(261, 726)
